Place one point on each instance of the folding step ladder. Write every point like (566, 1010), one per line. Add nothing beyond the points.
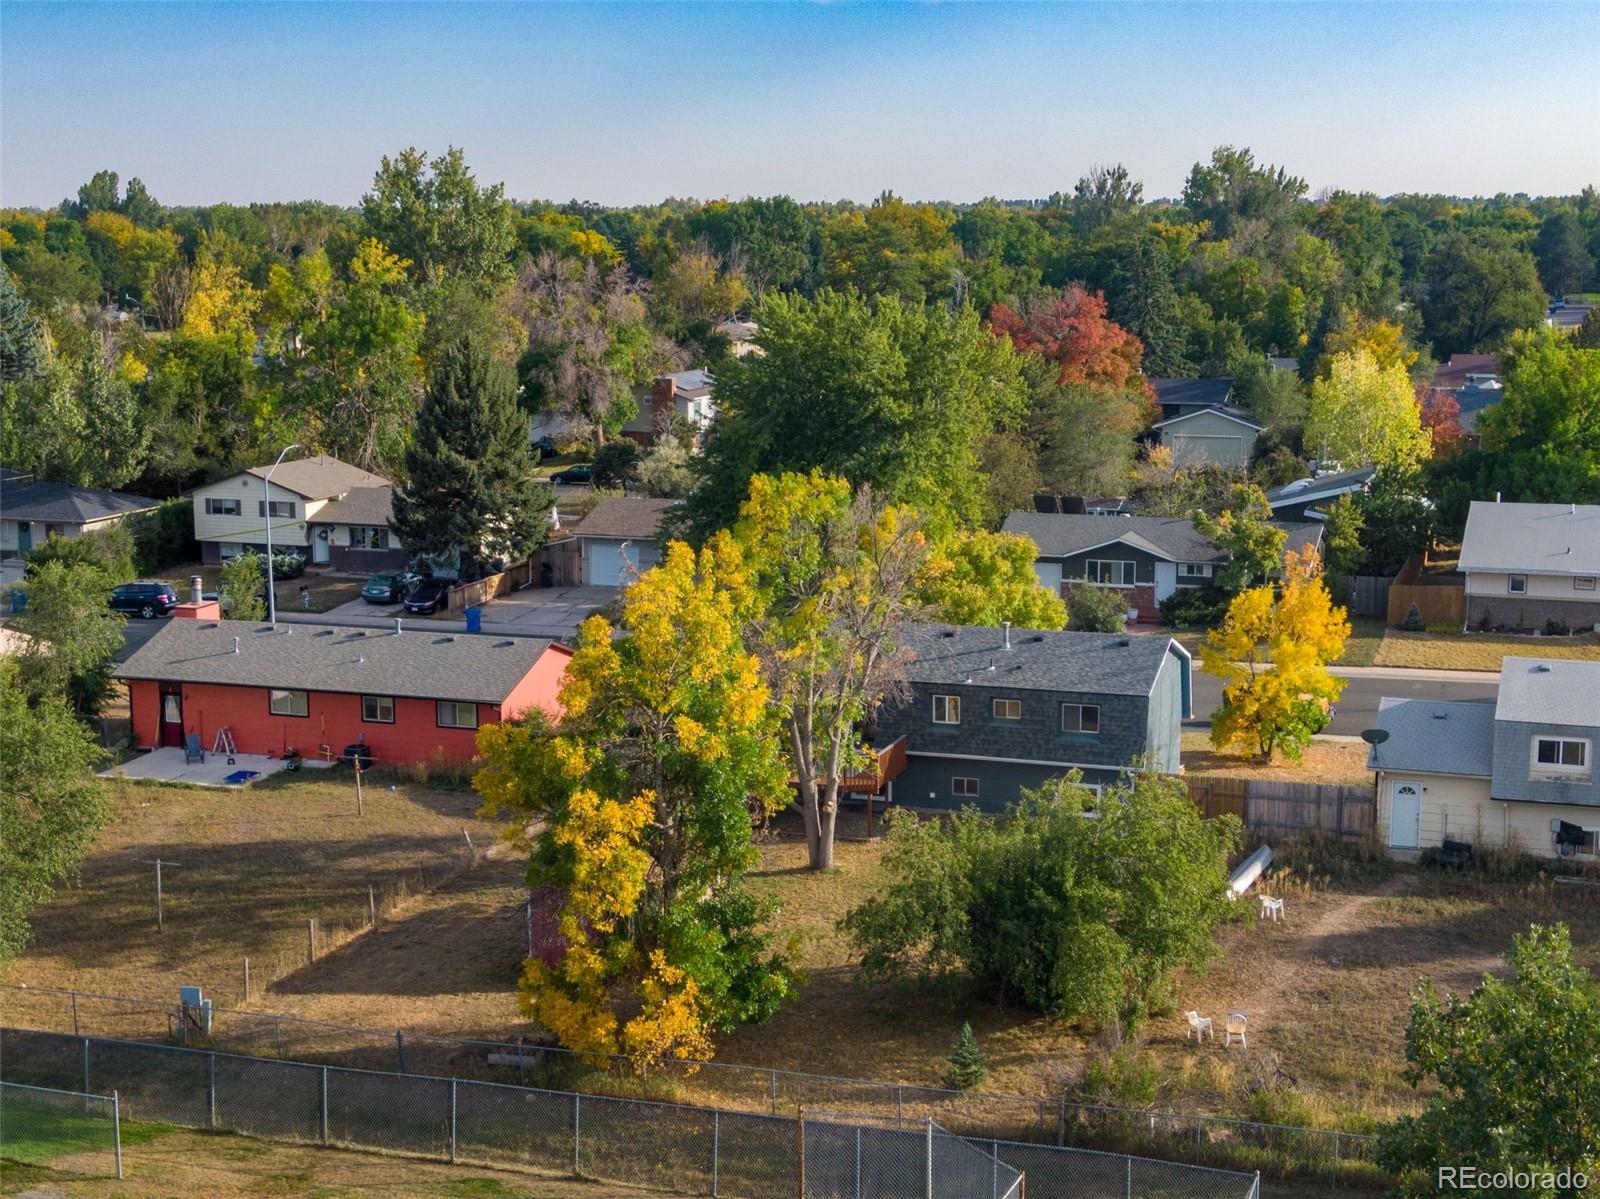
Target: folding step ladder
(224, 744)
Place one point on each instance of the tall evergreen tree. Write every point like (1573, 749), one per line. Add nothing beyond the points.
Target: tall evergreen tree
(470, 479)
(21, 346)
(1146, 304)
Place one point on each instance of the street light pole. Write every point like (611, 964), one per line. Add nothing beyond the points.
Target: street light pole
(266, 512)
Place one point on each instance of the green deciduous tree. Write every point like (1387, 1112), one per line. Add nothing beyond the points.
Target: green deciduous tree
(1244, 529)
(434, 215)
(244, 581)
(51, 804)
(72, 634)
(1543, 437)
(1363, 414)
(897, 395)
(1068, 905)
(1479, 287)
(1095, 609)
(470, 486)
(1510, 1074)
(984, 578)
(1565, 263)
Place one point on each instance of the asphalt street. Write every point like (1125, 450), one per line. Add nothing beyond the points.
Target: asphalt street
(1358, 707)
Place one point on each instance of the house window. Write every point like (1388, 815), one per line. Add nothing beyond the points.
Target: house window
(276, 508)
(1517, 584)
(362, 538)
(964, 788)
(1080, 718)
(1008, 709)
(1109, 572)
(1586, 584)
(1567, 754)
(947, 709)
(454, 715)
(377, 709)
(287, 703)
(216, 507)
(1194, 573)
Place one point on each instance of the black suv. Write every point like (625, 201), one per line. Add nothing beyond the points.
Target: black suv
(144, 599)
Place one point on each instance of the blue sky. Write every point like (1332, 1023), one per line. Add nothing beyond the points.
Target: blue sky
(628, 103)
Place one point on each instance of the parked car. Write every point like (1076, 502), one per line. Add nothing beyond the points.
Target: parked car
(583, 472)
(390, 587)
(144, 599)
(543, 448)
(429, 596)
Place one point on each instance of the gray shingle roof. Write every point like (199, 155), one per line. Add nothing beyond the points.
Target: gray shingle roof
(1040, 661)
(1558, 539)
(1224, 410)
(1549, 691)
(1327, 487)
(319, 476)
(1203, 393)
(367, 506)
(624, 516)
(1061, 535)
(1435, 736)
(418, 663)
(66, 504)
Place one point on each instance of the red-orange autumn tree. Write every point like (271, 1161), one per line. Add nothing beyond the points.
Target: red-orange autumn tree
(1071, 329)
(1441, 416)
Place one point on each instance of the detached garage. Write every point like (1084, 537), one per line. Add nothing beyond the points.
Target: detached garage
(620, 539)
(1212, 436)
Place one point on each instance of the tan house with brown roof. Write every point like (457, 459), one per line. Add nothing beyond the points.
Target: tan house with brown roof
(231, 514)
(619, 539)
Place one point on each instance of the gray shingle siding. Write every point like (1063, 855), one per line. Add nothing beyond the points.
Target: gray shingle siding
(1513, 757)
(927, 782)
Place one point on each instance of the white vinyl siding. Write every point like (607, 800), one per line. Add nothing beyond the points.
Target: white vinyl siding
(246, 526)
(1517, 584)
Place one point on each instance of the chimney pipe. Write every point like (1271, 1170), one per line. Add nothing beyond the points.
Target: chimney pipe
(196, 589)
(235, 645)
(397, 626)
(1007, 624)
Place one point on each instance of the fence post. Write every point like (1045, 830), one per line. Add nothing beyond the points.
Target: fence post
(577, 1124)
(994, 1169)
(858, 1161)
(772, 1077)
(1198, 1125)
(800, 1150)
(116, 1128)
(74, 1013)
(324, 1105)
(928, 1188)
(400, 1050)
(898, 1090)
(86, 1089)
(1335, 1157)
(211, 1090)
(1127, 1163)
(1061, 1122)
(716, 1136)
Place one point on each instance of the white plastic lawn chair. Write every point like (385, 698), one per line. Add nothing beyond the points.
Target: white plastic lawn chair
(1271, 908)
(1235, 1028)
(1199, 1026)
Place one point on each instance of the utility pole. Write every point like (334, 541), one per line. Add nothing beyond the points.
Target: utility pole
(158, 863)
(266, 520)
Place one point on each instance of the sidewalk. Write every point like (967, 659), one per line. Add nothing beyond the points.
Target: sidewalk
(1416, 674)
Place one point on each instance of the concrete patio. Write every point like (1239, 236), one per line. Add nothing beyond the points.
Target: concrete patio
(167, 765)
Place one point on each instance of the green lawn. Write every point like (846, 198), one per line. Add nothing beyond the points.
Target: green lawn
(46, 1129)
(1366, 637)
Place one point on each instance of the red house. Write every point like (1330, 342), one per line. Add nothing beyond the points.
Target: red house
(411, 694)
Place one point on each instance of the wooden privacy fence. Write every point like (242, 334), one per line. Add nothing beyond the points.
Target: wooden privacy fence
(1330, 808)
(1369, 594)
(481, 591)
(1440, 598)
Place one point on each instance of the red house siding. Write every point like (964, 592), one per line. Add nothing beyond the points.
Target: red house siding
(334, 719)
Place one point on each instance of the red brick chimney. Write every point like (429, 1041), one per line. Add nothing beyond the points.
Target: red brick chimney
(197, 607)
(663, 394)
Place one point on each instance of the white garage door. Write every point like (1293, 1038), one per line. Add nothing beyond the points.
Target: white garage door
(1217, 449)
(612, 563)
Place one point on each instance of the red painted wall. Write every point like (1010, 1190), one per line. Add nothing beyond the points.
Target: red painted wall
(335, 719)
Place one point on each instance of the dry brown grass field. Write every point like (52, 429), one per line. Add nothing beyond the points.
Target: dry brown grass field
(1477, 651)
(1326, 990)
(1323, 762)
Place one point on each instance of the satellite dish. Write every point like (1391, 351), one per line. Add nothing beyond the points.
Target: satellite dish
(1374, 736)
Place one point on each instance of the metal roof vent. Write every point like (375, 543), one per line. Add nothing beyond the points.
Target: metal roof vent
(235, 645)
(1541, 668)
(397, 626)
(1007, 624)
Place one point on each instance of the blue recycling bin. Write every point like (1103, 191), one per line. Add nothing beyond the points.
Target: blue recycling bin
(19, 600)
(474, 620)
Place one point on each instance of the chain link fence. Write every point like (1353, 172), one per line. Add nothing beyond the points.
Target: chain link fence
(689, 1150)
(1198, 1140)
(69, 1131)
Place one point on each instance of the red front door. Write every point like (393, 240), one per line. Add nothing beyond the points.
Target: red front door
(172, 715)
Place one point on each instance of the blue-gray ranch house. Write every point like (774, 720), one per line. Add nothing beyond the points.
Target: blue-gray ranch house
(992, 711)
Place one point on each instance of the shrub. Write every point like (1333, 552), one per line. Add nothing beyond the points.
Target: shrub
(1194, 607)
(1095, 609)
(616, 462)
(1125, 1077)
(967, 1068)
(1486, 621)
(163, 537)
(1557, 628)
(1413, 623)
(1443, 630)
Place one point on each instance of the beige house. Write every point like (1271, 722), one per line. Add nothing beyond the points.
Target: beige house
(232, 514)
(1526, 564)
(1516, 773)
(1209, 437)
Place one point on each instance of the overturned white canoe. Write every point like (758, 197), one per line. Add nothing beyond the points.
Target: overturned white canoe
(1249, 870)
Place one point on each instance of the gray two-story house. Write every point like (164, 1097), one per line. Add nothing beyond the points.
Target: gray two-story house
(991, 711)
(1517, 773)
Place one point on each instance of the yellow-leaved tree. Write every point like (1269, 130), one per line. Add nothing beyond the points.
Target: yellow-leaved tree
(1272, 653)
(643, 793)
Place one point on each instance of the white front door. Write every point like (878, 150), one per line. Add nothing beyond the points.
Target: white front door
(319, 546)
(1405, 814)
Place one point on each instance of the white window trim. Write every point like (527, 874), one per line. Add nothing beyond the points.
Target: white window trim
(994, 709)
(1536, 767)
(969, 792)
(354, 529)
(1583, 583)
(438, 713)
(1094, 732)
(1132, 571)
(388, 699)
(949, 699)
(289, 692)
(1512, 588)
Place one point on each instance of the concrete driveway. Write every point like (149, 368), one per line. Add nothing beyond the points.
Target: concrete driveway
(553, 612)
